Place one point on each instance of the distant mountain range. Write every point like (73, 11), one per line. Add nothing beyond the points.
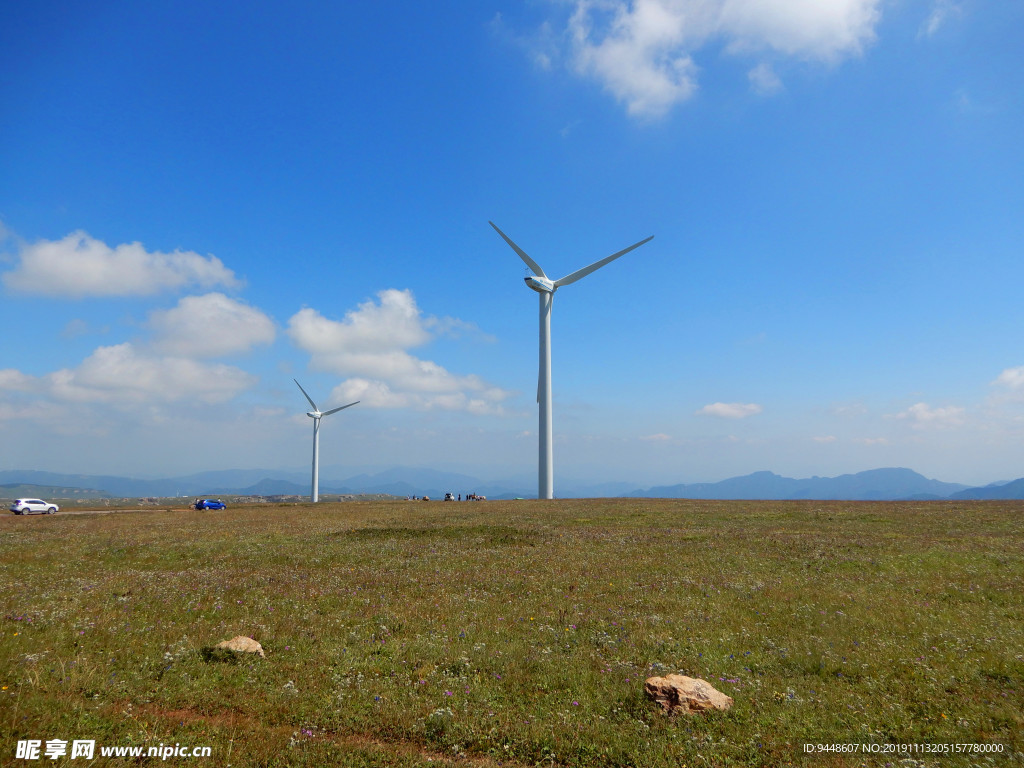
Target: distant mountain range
(872, 485)
(1011, 490)
(889, 484)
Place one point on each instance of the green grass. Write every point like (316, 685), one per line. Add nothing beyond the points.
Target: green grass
(518, 633)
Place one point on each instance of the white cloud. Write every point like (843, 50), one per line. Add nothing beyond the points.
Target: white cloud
(542, 46)
(369, 346)
(373, 394)
(730, 410)
(79, 266)
(642, 50)
(922, 415)
(210, 326)
(825, 439)
(641, 57)
(871, 440)
(377, 394)
(763, 80)
(121, 374)
(393, 322)
(31, 412)
(16, 381)
(660, 437)
(824, 30)
(1012, 378)
(1009, 389)
(942, 12)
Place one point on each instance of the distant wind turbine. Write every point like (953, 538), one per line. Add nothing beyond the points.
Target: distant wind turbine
(316, 415)
(546, 288)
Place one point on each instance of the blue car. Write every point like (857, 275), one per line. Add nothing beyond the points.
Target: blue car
(210, 504)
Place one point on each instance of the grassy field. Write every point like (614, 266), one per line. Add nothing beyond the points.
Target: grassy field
(518, 633)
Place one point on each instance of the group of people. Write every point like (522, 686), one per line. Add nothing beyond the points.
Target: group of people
(450, 497)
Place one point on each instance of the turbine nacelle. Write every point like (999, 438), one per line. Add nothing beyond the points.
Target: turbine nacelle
(540, 284)
(315, 415)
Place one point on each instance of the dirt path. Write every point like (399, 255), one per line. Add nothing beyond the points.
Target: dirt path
(365, 742)
(102, 511)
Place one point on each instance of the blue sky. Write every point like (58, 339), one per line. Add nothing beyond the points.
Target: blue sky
(200, 203)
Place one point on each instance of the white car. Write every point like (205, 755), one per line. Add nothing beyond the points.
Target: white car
(33, 506)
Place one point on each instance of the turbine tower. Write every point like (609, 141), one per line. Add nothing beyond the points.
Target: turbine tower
(546, 288)
(316, 415)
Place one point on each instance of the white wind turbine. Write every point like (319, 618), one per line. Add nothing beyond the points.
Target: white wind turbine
(316, 415)
(546, 288)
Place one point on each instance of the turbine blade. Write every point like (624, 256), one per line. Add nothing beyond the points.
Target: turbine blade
(522, 254)
(598, 264)
(307, 396)
(342, 408)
